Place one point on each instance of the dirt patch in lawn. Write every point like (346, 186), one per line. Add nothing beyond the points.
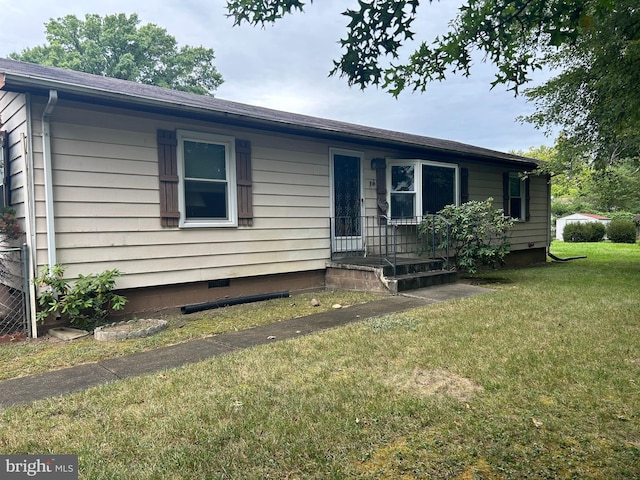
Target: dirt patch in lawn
(438, 382)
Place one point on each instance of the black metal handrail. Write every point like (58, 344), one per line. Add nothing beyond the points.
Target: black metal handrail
(389, 239)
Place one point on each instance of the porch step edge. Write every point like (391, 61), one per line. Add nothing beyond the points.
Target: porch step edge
(403, 283)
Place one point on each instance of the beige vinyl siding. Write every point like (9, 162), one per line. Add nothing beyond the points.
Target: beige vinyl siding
(107, 209)
(535, 232)
(107, 214)
(13, 116)
(485, 181)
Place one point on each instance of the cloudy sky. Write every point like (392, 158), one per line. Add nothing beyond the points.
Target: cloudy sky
(286, 67)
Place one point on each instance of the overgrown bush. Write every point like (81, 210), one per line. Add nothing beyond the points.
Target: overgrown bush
(622, 231)
(583, 232)
(9, 227)
(595, 231)
(85, 303)
(574, 232)
(478, 234)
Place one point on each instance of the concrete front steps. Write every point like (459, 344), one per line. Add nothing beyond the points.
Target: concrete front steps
(410, 274)
(418, 274)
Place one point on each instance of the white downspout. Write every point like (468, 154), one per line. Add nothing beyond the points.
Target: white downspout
(30, 216)
(48, 177)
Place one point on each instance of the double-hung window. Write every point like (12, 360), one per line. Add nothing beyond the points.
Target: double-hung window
(207, 188)
(515, 196)
(419, 187)
(403, 191)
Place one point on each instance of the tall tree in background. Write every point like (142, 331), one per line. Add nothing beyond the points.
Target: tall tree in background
(596, 96)
(579, 187)
(116, 46)
(594, 45)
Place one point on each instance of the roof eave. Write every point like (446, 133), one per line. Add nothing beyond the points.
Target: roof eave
(38, 84)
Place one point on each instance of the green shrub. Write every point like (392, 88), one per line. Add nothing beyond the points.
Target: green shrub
(595, 231)
(9, 225)
(622, 231)
(86, 303)
(583, 232)
(574, 232)
(478, 234)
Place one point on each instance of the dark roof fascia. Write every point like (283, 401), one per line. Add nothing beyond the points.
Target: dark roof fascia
(155, 100)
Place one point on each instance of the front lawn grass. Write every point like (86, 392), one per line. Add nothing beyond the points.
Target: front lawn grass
(540, 379)
(35, 356)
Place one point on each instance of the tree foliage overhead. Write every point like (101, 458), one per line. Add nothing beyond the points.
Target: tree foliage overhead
(116, 46)
(515, 35)
(596, 95)
(593, 44)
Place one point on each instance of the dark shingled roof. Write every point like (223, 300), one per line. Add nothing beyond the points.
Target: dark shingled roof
(20, 76)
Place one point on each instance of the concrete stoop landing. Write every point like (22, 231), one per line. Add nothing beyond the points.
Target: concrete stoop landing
(367, 274)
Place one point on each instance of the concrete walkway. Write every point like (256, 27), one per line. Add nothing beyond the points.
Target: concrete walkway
(60, 382)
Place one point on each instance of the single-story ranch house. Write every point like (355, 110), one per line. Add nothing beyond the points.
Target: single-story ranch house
(194, 198)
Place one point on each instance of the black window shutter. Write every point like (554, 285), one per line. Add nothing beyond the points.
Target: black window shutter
(244, 183)
(5, 196)
(527, 199)
(505, 193)
(464, 185)
(168, 174)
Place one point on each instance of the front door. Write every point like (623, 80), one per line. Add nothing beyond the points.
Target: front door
(347, 201)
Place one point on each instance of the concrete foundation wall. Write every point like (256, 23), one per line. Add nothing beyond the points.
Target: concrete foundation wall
(523, 258)
(168, 299)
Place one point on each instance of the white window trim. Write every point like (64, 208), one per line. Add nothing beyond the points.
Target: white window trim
(418, 163)
(230, 166)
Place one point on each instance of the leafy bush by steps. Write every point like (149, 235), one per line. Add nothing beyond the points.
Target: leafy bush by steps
(478, 234)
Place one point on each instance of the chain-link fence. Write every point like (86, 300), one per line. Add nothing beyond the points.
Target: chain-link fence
(14, 288)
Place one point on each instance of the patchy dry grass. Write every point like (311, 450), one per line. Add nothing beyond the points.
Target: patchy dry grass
(38, 355)
(437, 382)
(548, 366)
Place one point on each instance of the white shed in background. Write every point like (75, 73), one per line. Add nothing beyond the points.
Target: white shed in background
(578, 218)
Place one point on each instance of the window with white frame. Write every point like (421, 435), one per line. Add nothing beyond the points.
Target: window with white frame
(516, 194)
(418, 187)
(403, 191)
(207, 188)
